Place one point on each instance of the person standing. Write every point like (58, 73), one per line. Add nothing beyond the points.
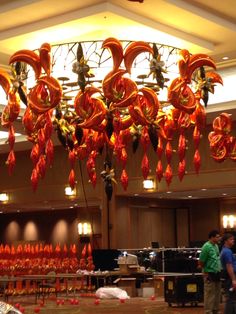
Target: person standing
(209, 260)
(228, 262)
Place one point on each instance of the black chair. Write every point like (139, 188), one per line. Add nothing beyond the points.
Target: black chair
(46, 286)
(3, 287)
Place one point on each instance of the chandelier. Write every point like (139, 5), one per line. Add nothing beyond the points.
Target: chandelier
(108, 94)
(79, 64)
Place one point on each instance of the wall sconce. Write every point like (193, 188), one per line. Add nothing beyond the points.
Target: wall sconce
(69, 191)
(148, 184)
(4, 197)
(84, 229)
(229, 221)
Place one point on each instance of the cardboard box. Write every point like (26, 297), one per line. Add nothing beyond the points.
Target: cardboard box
(129, 285)
(129, 290)
(148, 283)
(126, 268)
(148, 292)
(147, 288)
(159, 286)
(139, 292)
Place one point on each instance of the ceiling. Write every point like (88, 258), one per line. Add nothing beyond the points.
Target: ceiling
(26, 24)
(198, 25)
(221, 193)
(201, 26)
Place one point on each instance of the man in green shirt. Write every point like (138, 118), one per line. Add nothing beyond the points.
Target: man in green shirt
(209, 260)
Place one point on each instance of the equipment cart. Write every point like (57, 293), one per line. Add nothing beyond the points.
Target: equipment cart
(182, 289)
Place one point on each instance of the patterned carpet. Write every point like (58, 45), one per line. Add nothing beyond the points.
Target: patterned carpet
(91, 306)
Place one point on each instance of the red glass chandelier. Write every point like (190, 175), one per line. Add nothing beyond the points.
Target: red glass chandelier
(108, 95)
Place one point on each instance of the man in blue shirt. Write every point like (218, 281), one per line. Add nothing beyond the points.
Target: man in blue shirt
(228, 262)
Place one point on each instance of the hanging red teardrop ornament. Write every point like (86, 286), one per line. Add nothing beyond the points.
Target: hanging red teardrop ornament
(145, 166)
(181, 169)
(34, 155)
(168, 174)
(11, 162)
(49, 150)
(181, 147)
(34, 179)
(42, 166)
(124, 179)
(197, 161)
(72, 179)
(11, 137)
(168, 152)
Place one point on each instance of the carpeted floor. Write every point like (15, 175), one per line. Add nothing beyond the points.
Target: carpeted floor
(91, 306)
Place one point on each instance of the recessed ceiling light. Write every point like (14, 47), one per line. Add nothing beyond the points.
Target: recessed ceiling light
(18, 211)
(224, 194)
(225, 58)
(189, 196)
(136, 194)
(203, 189)
(1, 212)
(168, 192)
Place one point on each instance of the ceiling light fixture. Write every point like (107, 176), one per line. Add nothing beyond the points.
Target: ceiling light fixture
(225, 58)
(84, 228)
(4, 197)
(69, 191)
(96, 94)
(229, 221)
(148, 184)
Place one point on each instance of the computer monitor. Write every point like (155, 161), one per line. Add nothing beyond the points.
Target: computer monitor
(105, 259)
(155, 245)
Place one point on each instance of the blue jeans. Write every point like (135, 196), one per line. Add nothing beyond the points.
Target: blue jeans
(230, 304)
